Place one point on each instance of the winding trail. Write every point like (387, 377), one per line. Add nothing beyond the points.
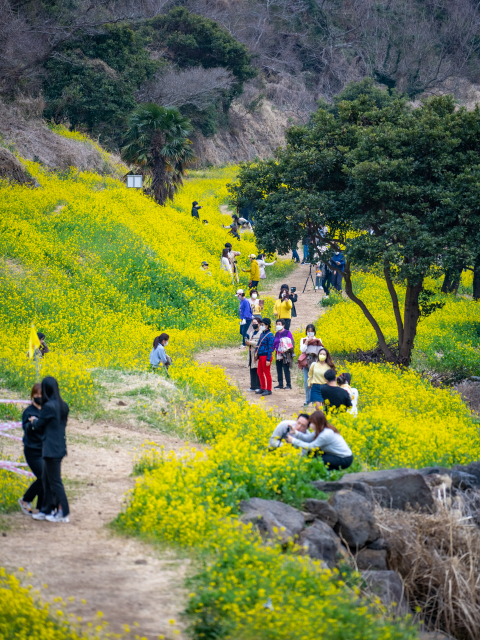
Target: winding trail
(127, 580)
(234, 360)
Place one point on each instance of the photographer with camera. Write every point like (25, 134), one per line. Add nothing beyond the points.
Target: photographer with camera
(284, 308)
(286, 428)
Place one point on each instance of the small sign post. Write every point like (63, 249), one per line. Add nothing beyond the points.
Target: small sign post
(134, 182)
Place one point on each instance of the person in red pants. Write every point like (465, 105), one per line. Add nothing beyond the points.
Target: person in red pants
(263, 353)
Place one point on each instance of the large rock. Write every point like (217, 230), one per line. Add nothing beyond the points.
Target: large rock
(387, 586)
(273, 518)
(331, 487)
(407, 487)
(321, 543)
(473, 471)
(322, 510)
(375, 559)
(356, 519)
(459, 477)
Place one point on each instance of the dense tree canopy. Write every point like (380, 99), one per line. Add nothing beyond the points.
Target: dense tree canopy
(396, 187)
(92, 82)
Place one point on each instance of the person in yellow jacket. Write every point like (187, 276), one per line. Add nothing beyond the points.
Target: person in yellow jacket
(254, 271)
(283, 308)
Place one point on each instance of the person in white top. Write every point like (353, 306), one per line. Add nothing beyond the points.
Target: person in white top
(310, 340)
(325, 437)
(262, 264)
(344, 380)
(232, 255)
(225, 263)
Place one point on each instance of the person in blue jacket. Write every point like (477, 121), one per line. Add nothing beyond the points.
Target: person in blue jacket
(246, 315)
(264, 354)
(337, 263)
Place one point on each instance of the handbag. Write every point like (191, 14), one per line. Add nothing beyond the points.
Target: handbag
(302, 361)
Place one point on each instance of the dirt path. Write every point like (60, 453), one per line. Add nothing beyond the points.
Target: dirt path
(233, 360)
(125, 579)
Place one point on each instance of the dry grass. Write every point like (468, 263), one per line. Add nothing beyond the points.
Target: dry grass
(23, 130)
(438, 557)
(470, 392)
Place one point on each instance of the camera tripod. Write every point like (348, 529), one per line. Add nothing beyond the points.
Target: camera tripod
(309, 277)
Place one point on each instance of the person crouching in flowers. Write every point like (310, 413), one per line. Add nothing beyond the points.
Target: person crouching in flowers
(324, 437)
(157, 354)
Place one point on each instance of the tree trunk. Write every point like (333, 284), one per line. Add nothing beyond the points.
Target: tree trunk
(159, 169)
(411, 316)
(389, 355)
(159, 179)
(396, 306)
(451, 281)
(476, 278)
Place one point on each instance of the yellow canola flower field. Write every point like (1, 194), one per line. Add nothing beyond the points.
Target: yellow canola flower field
(101, 269)
(447, 340)
(24, 617)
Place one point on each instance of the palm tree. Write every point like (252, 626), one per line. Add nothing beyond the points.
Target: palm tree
(157, 141)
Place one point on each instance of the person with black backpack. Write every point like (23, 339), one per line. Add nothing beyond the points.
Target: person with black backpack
(51, 424)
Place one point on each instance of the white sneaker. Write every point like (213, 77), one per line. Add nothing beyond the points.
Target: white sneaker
(316, 288)
(26, 507)
(39, 516)
(325, 297)
(57, 518)
(242, 347)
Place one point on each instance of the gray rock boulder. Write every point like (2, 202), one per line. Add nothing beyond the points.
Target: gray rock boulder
(321, 543)
(407, 487)
(371, 559)
(387, 586)
(273, 518)
(472, 469)
(331, 487)
(322, 510)
(356, 518)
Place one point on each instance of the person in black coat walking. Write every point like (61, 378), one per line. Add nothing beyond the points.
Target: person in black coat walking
(32, 450)
(51, 423)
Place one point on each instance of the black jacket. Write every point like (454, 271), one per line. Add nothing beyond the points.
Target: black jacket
(52, 428)
(195, 212)
(31, 439)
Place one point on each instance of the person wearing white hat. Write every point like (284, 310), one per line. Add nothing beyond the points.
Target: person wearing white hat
(245, 313)
(254, 271)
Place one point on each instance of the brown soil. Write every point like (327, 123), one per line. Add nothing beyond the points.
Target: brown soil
(127, 580)
(234, 360)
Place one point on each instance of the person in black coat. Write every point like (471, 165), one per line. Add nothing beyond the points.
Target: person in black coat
(52, 423)
(32, 450)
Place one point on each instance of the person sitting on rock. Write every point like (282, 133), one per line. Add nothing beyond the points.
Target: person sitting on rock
(325, 437)
(285, 427)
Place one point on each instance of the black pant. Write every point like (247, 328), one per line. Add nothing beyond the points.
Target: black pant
(336, 462)
(254, 379)
(53, 486)
(337, 281)
(281, 368)
(326, 282)
(254, 284)
(288, 322)
(35, 462)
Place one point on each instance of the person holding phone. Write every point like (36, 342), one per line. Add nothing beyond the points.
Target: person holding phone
(51, 425)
